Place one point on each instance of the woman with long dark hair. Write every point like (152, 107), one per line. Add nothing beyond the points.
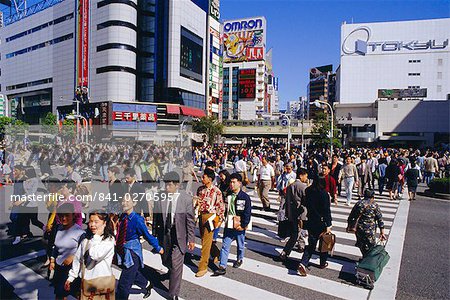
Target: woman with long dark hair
(317, 202)
(93, 258)
(224, 184)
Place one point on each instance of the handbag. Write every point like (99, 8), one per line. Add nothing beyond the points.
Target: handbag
(101, 286)
(326, 242)
(284, 228)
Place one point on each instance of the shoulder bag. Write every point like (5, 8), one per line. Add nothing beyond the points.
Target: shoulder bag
(96, 288)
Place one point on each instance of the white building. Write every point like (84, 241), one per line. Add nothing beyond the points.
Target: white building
(410, 58)
(245, 80)
(113, 48)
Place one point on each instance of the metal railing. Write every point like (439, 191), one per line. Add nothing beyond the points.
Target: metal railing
(34, 9)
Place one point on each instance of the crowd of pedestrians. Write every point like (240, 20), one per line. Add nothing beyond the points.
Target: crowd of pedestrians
(82, 246)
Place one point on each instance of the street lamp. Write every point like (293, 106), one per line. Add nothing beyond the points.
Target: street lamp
(317, 104)
(76, 117)
(289, 129)
(188, 119)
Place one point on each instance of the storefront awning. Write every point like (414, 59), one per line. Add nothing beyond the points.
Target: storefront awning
(193, 112)
(173, 109)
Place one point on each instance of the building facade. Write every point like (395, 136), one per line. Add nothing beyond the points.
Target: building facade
(244, 72)
(145, 51)
(215, 62)
(321, 86)
(395, 60)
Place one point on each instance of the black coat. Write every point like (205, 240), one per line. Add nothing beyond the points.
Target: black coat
(318, 207)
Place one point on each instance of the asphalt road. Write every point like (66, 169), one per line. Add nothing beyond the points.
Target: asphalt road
(425, 268)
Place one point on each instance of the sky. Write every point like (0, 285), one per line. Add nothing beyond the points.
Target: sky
(306, 33)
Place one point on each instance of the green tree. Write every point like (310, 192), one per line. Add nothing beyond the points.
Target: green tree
(49, 124)
(4, 122)
(321, 130)
(68, 128)
(210, 126)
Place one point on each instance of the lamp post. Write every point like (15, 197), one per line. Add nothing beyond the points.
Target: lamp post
(289, 130)
(317, 104)
(76, 117)
(188, 119)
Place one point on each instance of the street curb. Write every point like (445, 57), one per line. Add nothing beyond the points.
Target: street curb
(430, 194)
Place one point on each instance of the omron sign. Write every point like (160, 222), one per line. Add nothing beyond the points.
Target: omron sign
(358, 41)
(243, 25)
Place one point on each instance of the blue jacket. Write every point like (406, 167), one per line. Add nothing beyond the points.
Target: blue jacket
(135, 229)
(243, 207)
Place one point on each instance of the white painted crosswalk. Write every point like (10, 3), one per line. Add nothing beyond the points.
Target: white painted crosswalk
(262, 247)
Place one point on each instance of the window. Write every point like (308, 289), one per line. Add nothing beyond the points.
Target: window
(116, 46)
(107, 2)
(440, 61)
(115, 69)
(40, 27)
(29, 84)
(439, 88)
(41, 45)
(116, 23)
(413, 74)
(439, 75)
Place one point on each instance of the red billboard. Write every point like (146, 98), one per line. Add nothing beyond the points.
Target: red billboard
(255, 53)
(82, 66)
(247, 83)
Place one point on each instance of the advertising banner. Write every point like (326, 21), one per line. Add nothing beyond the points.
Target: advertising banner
(82, 64)
(244, 40)
(247, 83)
(319, 73)
(214, 10)
(402, 93)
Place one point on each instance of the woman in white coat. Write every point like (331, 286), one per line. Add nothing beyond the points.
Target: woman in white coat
(93, 259)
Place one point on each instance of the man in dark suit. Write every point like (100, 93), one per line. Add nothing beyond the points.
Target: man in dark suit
(363, 173)
(173, 225)
(294, 209)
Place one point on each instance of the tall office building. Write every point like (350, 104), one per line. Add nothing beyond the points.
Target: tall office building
(321, 86)
(244, 73)
(394, 60)
(147, 50)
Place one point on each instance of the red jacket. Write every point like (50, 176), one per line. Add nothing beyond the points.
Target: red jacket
(330, 185)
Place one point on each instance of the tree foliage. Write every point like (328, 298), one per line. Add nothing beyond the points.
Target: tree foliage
(49, 124)
(321, 131)
(12, 127)
(210, 126)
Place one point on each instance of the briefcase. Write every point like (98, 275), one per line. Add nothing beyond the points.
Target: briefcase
(326, 242)
(284, 228)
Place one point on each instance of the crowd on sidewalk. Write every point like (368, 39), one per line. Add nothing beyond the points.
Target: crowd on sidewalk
(83, 246)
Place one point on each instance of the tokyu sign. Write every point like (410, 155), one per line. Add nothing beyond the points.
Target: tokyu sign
(358, 42)
(244, 25)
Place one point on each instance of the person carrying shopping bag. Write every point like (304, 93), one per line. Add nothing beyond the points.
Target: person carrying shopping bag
(93, 260)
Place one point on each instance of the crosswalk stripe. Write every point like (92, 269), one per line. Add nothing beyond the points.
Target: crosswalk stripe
(334, 214)
(326, 286)
(35, 286)
(263, 221)
(18, 259)
(156, 293)
(223, 285)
